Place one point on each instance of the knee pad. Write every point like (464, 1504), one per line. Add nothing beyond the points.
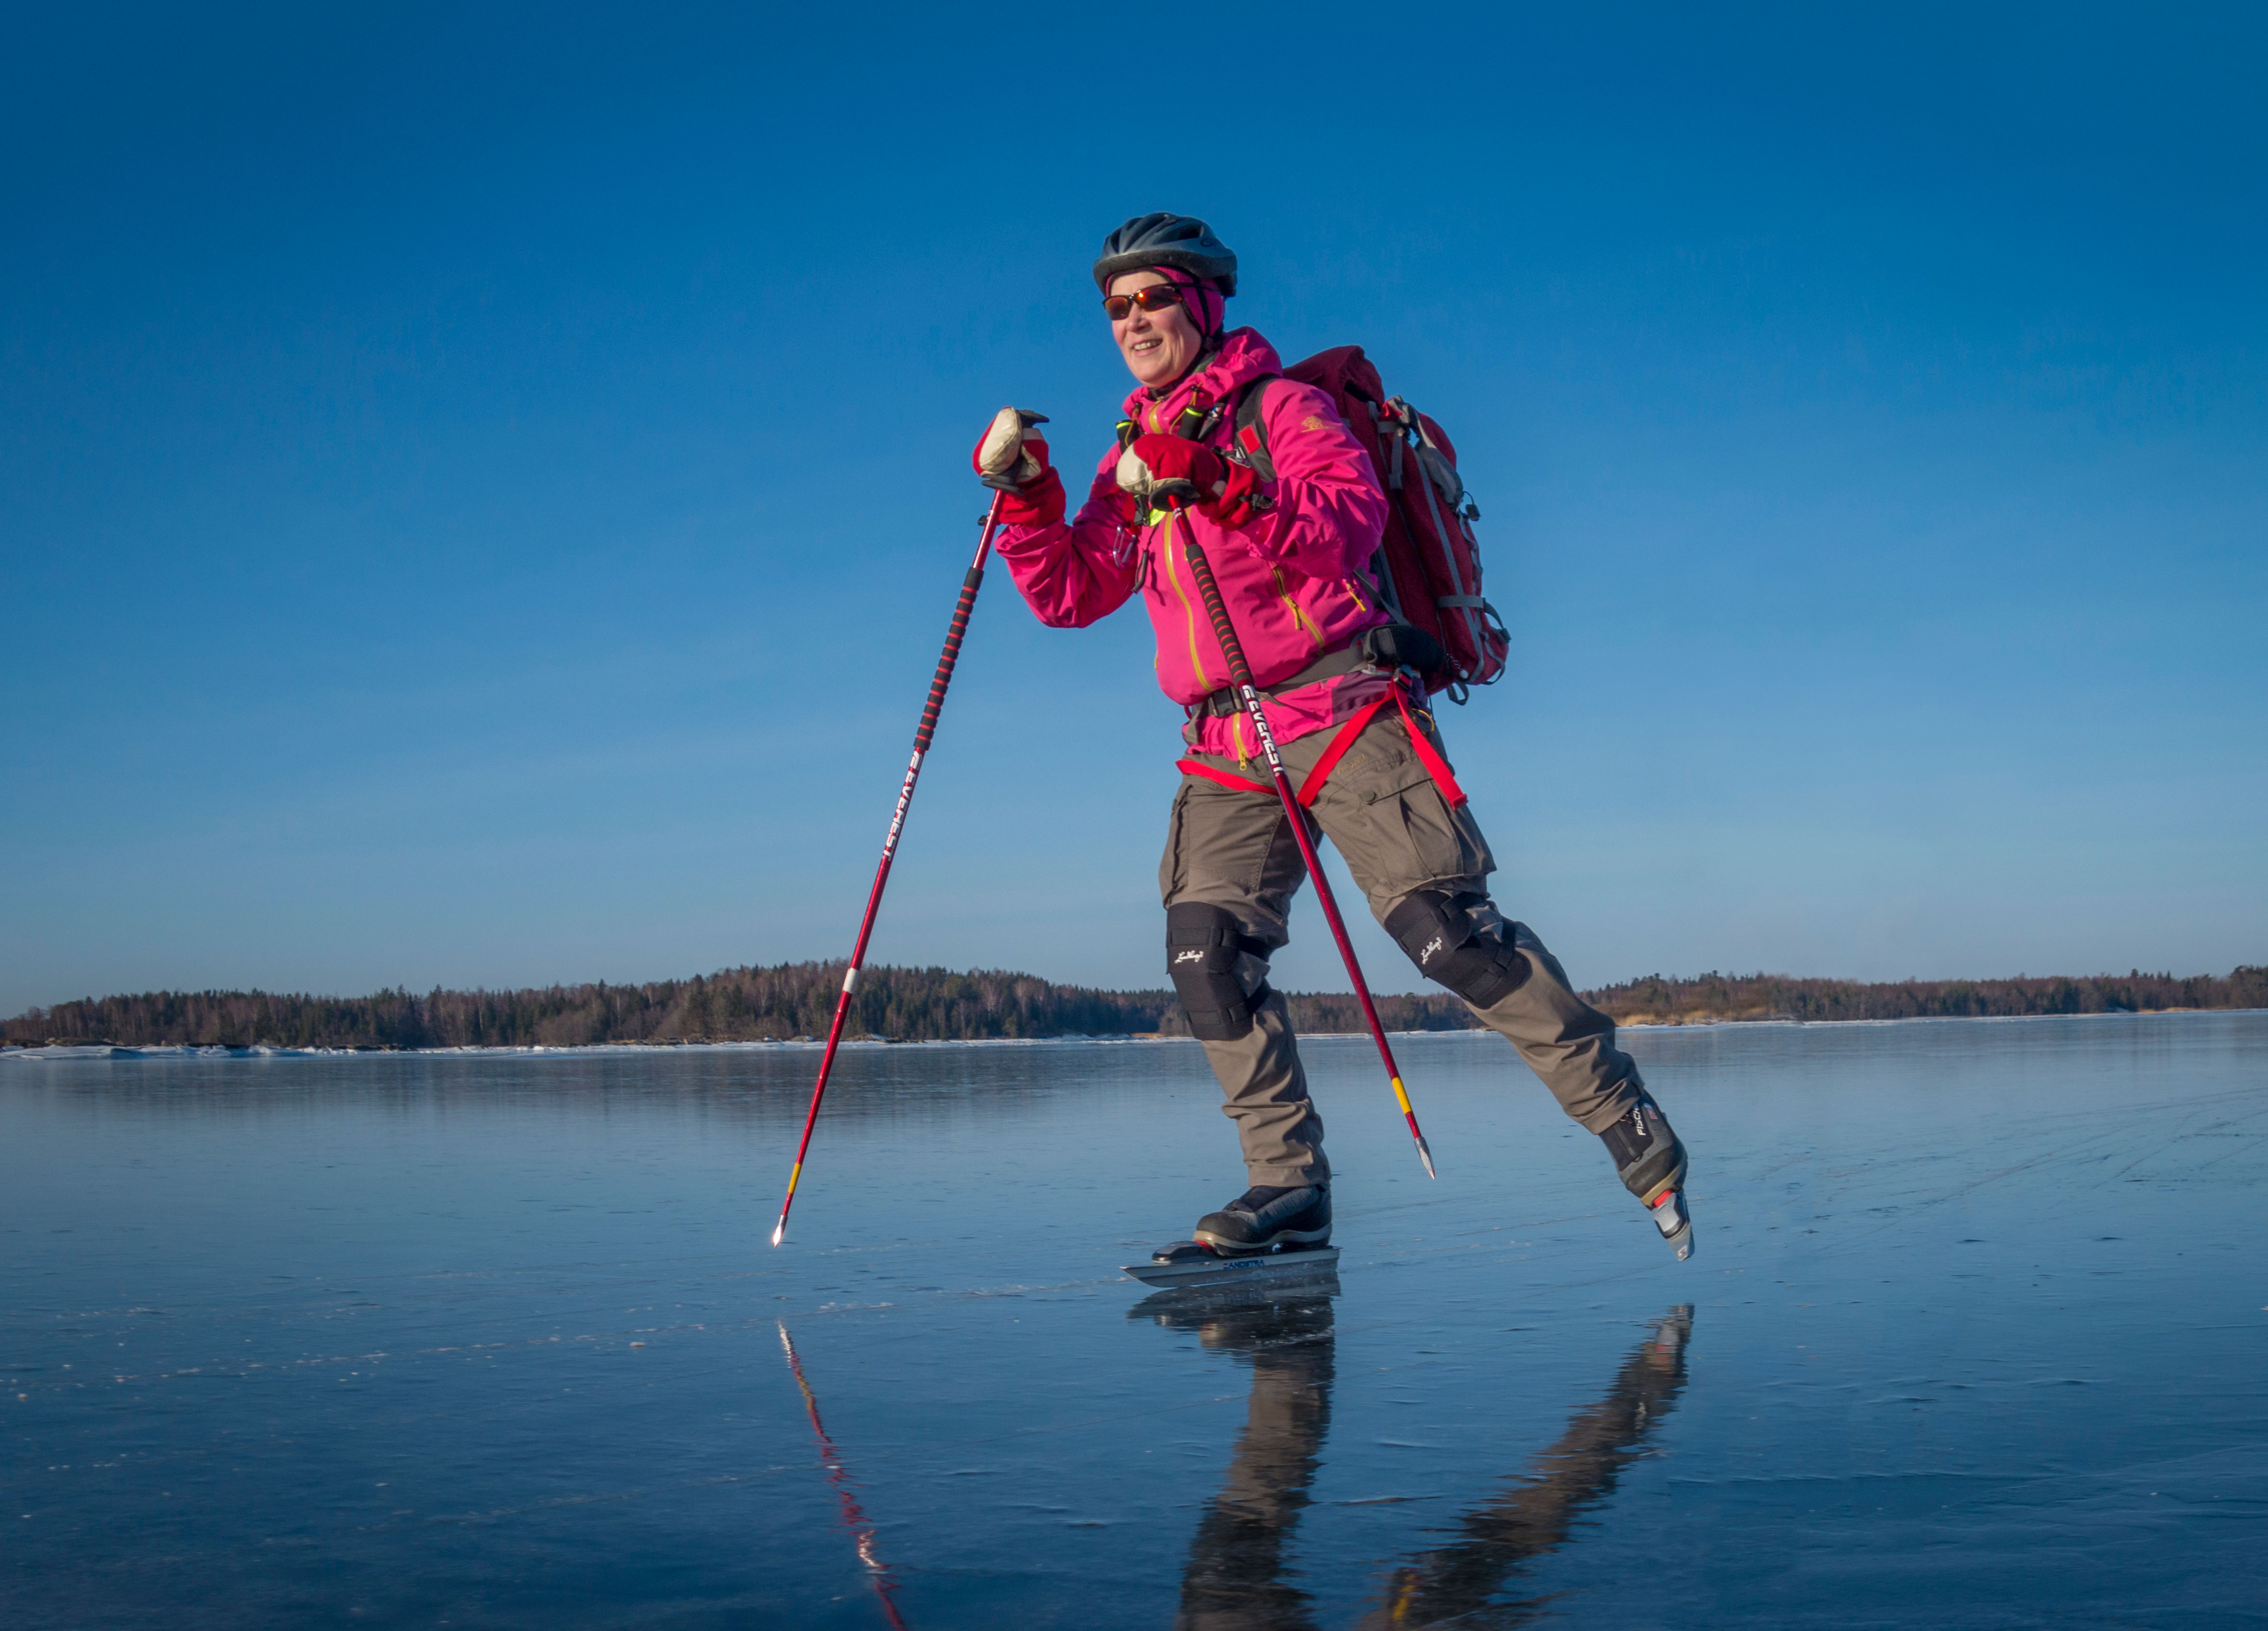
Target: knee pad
(1434, 929)
(1202, 945)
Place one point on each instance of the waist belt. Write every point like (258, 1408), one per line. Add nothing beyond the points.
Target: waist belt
(1225, 703)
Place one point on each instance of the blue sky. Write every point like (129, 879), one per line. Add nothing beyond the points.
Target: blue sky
(482, 490)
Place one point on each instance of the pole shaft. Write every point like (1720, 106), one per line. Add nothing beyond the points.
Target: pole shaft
(1241, 675)
(969, 584)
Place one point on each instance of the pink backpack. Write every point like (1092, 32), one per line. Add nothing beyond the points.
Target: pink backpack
(1428, 565)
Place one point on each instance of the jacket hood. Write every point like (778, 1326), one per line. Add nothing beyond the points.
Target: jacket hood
(1243, 356)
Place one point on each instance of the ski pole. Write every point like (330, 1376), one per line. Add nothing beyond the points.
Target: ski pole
(945, 662)
(1241, 675)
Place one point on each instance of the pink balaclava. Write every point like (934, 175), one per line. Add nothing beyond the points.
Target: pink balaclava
(1205, 302)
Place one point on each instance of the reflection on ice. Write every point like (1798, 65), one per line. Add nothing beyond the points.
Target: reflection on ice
(1238, 1577)
(854, 1519)
(1235, 1575)
(1535, 1510)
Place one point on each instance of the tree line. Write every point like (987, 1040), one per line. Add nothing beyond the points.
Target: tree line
(1704, 998)
(795, 1000)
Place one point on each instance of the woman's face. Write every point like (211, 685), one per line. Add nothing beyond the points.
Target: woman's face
(1158, 345)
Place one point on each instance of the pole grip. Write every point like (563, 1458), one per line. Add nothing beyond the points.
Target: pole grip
(950, 657)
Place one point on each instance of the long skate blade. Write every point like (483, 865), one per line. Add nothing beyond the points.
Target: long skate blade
(1295, 1264)
(1675, 1222)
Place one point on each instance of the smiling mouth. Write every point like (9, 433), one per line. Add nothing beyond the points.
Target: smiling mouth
(1150, 344)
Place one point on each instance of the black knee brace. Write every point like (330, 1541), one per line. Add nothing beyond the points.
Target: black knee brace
(1202, 944)
(1433, 929)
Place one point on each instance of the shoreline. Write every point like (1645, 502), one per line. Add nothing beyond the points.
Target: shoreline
(91, 1051)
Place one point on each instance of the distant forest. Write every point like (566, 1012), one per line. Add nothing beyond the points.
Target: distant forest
(939, 1005)
(1711, 998)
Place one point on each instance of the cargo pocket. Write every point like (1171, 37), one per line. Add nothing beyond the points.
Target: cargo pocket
(1440, 842)
(1387, 817)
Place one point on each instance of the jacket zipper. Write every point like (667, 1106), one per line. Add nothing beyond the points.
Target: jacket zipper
(1164, 549)
(1300, 620)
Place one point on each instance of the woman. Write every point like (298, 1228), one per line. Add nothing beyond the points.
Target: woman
(1291, 559)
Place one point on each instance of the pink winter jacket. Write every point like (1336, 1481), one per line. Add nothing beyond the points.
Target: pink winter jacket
(1295, 580)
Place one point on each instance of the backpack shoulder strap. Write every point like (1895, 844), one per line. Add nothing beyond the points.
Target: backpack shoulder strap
(1249, 435)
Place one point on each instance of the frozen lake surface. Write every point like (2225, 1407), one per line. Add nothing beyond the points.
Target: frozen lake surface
(1974, 1336)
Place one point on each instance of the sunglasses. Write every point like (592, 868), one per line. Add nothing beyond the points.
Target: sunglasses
(1156, 298)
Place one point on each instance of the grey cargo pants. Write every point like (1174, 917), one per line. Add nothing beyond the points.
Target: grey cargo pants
(1399, 836)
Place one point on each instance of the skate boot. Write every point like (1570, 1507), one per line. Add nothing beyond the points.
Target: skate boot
(1268, 1216)
(1650, 1162)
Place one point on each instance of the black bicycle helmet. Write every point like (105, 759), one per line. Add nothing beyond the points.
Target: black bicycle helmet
(1163, 240)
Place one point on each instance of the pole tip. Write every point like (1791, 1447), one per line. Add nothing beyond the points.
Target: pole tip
(1427, 1156)
(780, 1229)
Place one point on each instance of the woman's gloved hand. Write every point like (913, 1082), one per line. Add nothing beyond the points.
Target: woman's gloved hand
(1171, 472)
(1012, 457)
(1240, 500)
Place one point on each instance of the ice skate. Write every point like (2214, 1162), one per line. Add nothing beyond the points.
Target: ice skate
(1267, 1217)
(1270, 1230)
(1193, 1265)
(1650, 1162)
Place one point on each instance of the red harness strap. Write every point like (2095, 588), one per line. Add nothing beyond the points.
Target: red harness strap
(1340, 743)
(1436, 766)
(1190, 766)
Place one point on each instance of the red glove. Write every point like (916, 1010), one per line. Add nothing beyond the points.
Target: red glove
(1011, 457)
(1240, 500)
(1035, 503)
(1171, 472)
